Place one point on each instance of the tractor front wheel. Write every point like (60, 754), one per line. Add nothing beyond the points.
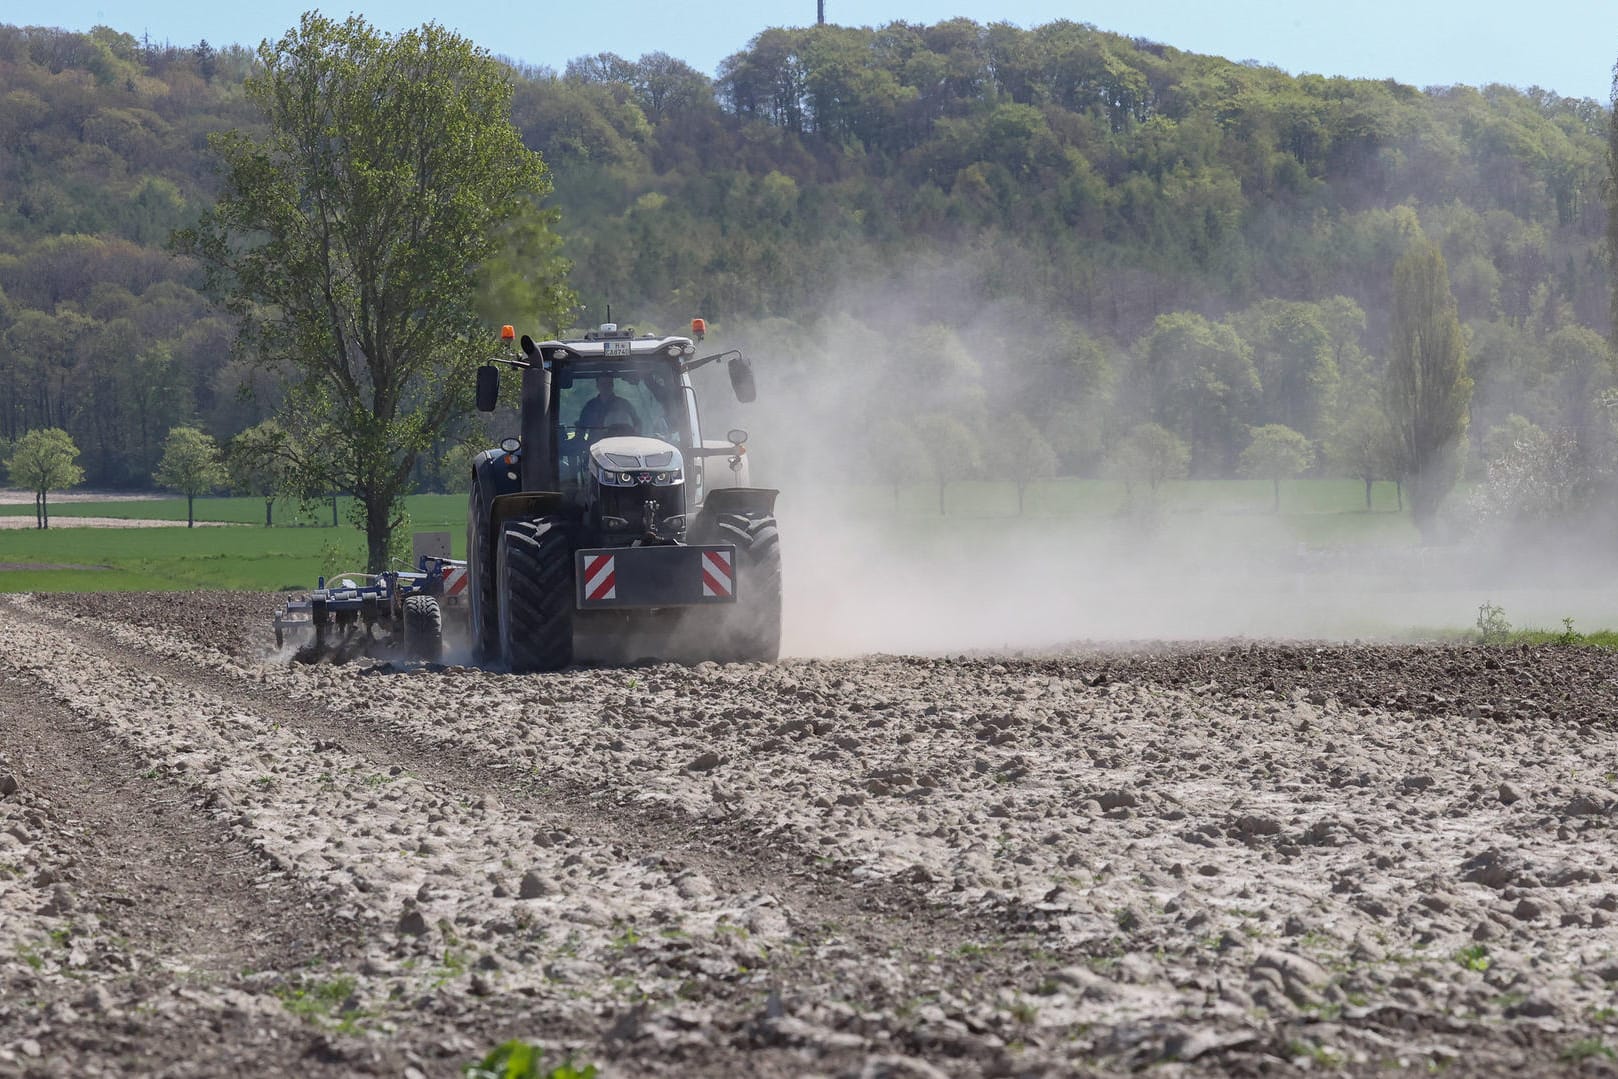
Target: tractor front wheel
(480, 567)
(535, 588)
(752, 630)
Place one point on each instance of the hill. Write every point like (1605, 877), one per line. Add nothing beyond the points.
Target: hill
(1062, 187)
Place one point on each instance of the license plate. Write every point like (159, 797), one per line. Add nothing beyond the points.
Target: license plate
(615, 348)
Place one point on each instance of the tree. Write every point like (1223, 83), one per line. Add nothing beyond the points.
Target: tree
(350, 239)
(1150, 454)
(1427, 385)
(899, 453)
(260, 461)
(1362, 447)
(1503, 441)
(1027, 453)
(953, 452)
(191, 466)
(1276, 453)
(1199, 380)
(44, 460)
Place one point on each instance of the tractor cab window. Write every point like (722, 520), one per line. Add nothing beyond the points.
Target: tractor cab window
(599, 400)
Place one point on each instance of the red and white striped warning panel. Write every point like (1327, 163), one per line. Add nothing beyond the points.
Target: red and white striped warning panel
(718, 575)
(659, 575)
(455, 580)
(600, 577)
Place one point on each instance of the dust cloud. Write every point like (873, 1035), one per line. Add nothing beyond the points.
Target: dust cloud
(861, 576)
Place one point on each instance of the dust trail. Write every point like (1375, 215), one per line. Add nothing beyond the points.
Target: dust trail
(931, 587)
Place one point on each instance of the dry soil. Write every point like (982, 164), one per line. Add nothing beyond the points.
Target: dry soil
(1238, 858)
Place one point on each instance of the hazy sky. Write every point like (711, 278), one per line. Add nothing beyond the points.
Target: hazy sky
(1567, 46)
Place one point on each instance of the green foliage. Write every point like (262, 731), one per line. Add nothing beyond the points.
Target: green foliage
(1150, 454)
(1473, 957)
(1046, 193)
(329, 1002)
(1276, 452)
(43, 461)
(190, 465)
(1428, 388)
(1587, 1049)
(522, 1060)
(1492, 625)
(953, 451)
(350, 239)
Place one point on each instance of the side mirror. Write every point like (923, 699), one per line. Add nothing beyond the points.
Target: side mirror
(741, 379)
(488, 387)
(736, 435)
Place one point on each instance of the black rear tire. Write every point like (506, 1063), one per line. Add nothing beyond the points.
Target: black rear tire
(752, 629)
(535, 569)
(480, 565)
(423, 628)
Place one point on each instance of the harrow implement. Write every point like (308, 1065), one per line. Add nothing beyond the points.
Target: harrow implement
(390, 613)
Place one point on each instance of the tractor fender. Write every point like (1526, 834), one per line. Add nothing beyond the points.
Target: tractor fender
(747, 501)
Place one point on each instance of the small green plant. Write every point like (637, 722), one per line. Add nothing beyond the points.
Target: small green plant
(323, 1002)
(521, 1060)
(1319, 1054)
(1568, 636)
(1493, 626)
(1587, 1049)
(1025, 1012)
(1473, 957)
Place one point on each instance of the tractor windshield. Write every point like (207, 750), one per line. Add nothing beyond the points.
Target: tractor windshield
(597, 399)
(603, 400)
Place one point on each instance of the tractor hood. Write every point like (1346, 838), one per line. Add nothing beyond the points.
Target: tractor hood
(631, 461)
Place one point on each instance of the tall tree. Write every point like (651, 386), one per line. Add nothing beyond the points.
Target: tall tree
(350, 237)
(1611, 188)
(44, 460)
(1427, 385)
(191, 466)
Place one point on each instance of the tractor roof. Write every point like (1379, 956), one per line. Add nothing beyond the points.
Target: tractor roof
(603, 346)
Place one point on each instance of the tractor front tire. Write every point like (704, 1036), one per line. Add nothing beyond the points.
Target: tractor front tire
(535, 588)
(423, 628)
(484, 615)
(752, 630)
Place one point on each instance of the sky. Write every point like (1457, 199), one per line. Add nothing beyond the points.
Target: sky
(1568, 47)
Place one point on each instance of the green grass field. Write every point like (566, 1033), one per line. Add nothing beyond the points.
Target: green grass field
(303, 545)
(245, 555)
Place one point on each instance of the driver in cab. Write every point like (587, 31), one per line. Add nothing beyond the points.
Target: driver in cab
(606, 413)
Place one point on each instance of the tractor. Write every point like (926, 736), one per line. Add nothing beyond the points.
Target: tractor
(610, 528)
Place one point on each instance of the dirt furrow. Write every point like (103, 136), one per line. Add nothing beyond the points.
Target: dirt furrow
(760, 955)
(730, 851)
(127, 904)
(1228, 859)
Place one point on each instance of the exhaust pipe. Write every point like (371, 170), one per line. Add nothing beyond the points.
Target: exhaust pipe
(538, 459)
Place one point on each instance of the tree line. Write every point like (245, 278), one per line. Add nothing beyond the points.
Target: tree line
(1126, 247)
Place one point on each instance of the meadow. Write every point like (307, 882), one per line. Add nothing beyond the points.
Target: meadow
(302, 544)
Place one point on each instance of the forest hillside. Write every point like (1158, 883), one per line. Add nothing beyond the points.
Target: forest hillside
(1073, 228)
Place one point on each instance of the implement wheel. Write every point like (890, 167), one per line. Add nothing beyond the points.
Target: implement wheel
(423, 628)
(535, 564)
